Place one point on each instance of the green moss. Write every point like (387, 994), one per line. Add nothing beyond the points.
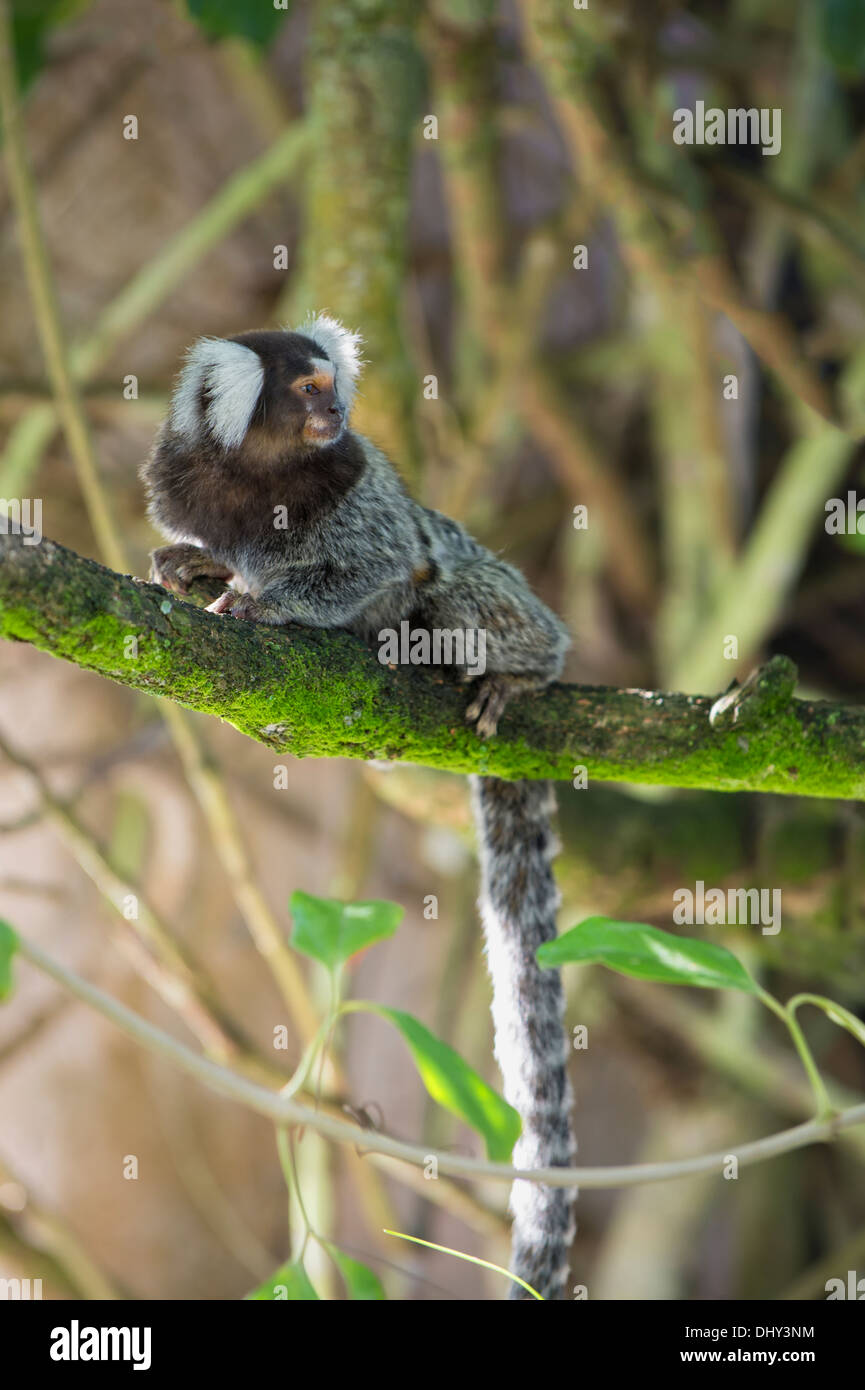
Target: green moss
(321, 694)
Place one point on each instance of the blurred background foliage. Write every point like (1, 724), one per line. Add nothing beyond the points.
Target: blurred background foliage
(287, 160)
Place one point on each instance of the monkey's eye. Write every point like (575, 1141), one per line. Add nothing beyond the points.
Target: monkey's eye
(310, 388)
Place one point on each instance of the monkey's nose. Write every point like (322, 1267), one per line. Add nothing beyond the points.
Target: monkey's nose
(335, 410)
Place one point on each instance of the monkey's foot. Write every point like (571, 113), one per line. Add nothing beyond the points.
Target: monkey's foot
(176, 566)
(247, 607)
(487, 707)
(224, 603)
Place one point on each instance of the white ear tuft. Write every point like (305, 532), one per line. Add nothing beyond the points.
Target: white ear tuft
(342, 348)
(232, 377)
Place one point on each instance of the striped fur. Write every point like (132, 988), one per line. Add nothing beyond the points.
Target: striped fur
(229, 378)
(518, 905)
(342, 348)
(359, 553)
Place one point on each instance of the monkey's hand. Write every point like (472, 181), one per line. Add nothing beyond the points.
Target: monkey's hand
(176, 566)
(312, 595)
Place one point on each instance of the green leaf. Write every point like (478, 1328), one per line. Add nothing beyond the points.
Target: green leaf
(258, 21)
(360, 1282)
(842, 31)
(8, 947)
(290, 1284)
(331, 931)
(452, 1083)
(647, 953)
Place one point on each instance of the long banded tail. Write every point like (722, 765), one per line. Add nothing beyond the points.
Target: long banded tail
(518, 905)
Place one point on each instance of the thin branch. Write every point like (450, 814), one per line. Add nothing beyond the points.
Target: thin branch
(43, 294)
(201, 773)
(323, 694)
(47, 1233)
(769, 333)
(156, 955)
(810, 218)
(142, 295)
(283, 1111)
(590, 478)
(765, 1073)
(773, 555)
(208, 786)
(138, 298)
(569, 51)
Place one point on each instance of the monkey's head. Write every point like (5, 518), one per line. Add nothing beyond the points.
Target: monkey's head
(271, 393)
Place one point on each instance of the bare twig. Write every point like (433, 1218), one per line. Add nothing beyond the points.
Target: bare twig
(201, 772)
(284, 1111)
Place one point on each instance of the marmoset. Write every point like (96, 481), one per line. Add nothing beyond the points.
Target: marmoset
(257, 480)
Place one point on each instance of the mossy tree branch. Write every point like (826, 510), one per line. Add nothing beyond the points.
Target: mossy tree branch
(322, 694)
(364, 80)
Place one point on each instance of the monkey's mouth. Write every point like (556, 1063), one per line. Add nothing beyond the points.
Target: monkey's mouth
(324, 433)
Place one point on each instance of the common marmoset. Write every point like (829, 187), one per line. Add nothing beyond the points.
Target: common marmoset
(257, 430)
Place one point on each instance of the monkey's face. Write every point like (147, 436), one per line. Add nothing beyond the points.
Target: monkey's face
(298, 406)
(323, 417)
(269, 396)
